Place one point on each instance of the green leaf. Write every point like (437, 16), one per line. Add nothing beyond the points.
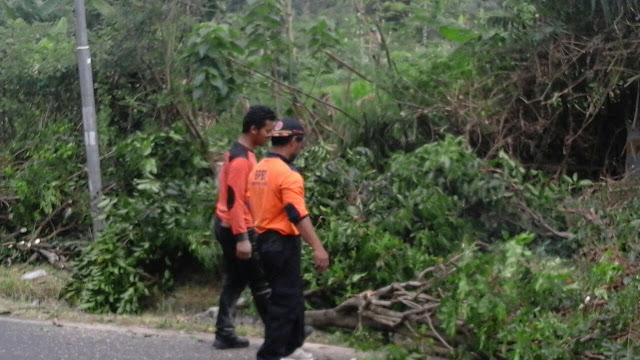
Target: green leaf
(48, 7)
(150, 185)
(585, 183)
(457, 34)
(103, 7)
(236, 47)
(62, 25)
(149, 166)
(8, 10)
(202, 49)
(199, 79)
(219, 84)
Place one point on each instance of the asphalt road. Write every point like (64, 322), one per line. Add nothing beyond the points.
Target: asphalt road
(32, 340)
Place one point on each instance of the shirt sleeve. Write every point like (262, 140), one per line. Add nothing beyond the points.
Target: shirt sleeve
(293, 198)
(237, 179)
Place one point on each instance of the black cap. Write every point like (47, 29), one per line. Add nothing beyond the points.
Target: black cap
(287, 127)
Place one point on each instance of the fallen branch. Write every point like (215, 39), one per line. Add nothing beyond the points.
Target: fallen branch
(538, 219)
(53, 214)
(347, 66)
(400, 308)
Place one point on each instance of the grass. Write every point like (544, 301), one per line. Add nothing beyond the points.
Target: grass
(44, 288)
(41, 299)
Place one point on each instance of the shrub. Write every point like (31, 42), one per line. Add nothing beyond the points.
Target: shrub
(156, 223)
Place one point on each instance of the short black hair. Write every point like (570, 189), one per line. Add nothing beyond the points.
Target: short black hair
(257, 116)
(284, 140)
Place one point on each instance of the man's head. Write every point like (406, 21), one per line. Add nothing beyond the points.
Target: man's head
(288, 137)
(258, 123)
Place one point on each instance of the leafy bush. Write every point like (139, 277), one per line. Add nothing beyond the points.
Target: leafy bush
(37, 70)
(387, 226)
(363, 257)
(156, 223)
(43, 177)
(512, 301)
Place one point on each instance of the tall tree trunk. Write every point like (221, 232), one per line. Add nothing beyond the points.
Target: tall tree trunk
(290, 40)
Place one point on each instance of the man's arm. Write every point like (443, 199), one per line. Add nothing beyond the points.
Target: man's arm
(295, 207)
(320, 255)
(236, 203)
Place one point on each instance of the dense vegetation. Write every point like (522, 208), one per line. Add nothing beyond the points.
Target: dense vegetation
(489, 136)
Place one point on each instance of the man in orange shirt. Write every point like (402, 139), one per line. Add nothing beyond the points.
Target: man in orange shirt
(276, 195)
(233, 227)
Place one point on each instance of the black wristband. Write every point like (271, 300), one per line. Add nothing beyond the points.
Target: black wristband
(241, 237)
(252, 233)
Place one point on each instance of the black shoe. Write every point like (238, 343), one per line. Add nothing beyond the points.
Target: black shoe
(230, 342)
(308, 330)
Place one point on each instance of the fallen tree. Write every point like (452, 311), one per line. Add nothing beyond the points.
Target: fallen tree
(41, 242)
(505, 300)
(401, 307)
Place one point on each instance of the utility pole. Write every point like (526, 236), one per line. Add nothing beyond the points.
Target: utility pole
(89, 115)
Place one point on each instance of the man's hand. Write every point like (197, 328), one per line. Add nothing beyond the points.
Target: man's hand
(321, 259)
(243, 249)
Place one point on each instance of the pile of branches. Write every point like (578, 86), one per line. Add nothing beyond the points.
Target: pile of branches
(566, 106)
(401, 308)
(41, 242)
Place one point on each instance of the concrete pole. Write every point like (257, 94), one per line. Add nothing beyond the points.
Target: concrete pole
(89, 115)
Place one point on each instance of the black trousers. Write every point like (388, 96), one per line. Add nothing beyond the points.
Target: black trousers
(239, 274)
(284, 325)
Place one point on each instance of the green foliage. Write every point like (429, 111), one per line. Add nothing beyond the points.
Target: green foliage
(37, 70)
(399, 184)
(457, 35)
(511, 299)
(211, 46)
(43, 177)
(588, 15)
(322, 36)
(40, 183)
(398, 352)
(46, 10)
(106, 279)
(436, 187)
(368, 257)
(611, 218)
(263, 28)
(388, 224)
(34, 10)
(131, 258)
(263, 22)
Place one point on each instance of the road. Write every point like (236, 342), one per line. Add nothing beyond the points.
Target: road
(32, 340)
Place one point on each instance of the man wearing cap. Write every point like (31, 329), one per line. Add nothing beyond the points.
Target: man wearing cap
(280, 217)
(233, 227)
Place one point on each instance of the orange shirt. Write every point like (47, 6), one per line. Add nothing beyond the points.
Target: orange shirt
(276, 194)
(232, 188)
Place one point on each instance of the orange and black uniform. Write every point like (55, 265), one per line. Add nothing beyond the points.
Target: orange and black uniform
(276, 194)
(233, 223)
(232, 196)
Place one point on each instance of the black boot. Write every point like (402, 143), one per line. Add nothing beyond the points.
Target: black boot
(232, 341)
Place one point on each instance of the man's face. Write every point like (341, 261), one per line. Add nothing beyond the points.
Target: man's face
(298, 145)
(263, 134)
